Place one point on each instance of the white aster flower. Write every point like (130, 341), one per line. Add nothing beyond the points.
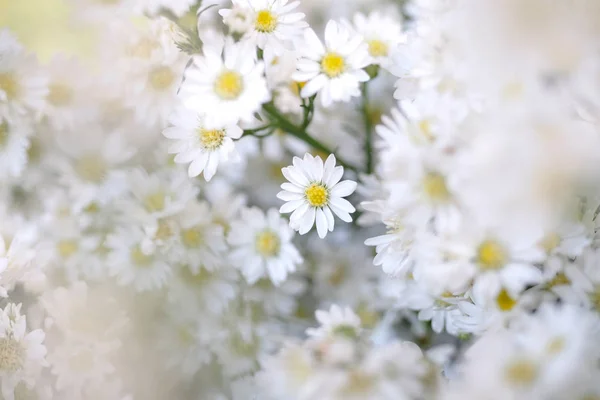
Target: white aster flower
(314, 190)
(23, 87)
(274, 26)
(202, 145)
(262, 246)
(336, 69)
(336, 321)
(382, 33)
(14, 143)
(226, 83)
(21, 353)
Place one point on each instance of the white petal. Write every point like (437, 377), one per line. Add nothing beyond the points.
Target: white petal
(321, 223)
(343, 189)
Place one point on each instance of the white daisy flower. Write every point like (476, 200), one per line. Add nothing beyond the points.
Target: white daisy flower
(239, 19)
(335, 69)
(23, 87)
(262, 246)
(336, 321)
(314, 190)
(275, 26)
(21, 353)
(131, 265)
(382, 33)
(225, 83)
(201, 145)
(14, 143)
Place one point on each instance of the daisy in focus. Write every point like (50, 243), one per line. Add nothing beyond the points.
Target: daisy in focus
(275, 26)
(262, 246)
(335, 70)
(225, 83)
(314, 190)
(202, 145)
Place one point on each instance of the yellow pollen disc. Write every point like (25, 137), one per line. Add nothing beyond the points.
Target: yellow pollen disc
(229, 85)
(559, 279)
(211, 139)
(377, 48)
(138, 258)
(12, 355)
(67, 248)
(155, 202)
(91, 168)
(556, 345)
(4, 132)
(9, 85)
(192, 237)
(316, 195)
(550, 242)
(268, 244)
(60, 94)
(491, 255)
(425, 129)
(504, 301)
(265, 22)
(333, 65)
(435, 188)
(296, 87)
(143, 49)
(521, 372)
(595, 298)
(161, 78)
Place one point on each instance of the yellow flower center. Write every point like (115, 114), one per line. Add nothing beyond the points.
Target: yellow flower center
(559, 279)
(161, 78)
(211, 139)
(550, 242)
(4, 133)
(595, 298)
(91, 168)
(155, 202)
(316, 195)
(143, 49)
(491, 255)
(434, 185)
(66, 248)
(268, 244)
(12, 355)
(521, 372)
(138, 257)
(296, 87)
(333, 64)
(9, 85)
(265, 22)
(556, 345)
(192, 237)
(504, 301)
(60, 94)
(377, 48)
(229, 85)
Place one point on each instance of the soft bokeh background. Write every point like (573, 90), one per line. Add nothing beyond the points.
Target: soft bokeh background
(44, 27)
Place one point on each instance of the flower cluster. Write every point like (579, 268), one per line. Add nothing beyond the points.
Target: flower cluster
(302, 200)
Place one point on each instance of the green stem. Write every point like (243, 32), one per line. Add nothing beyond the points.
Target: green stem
(368, 128)
(301, 134)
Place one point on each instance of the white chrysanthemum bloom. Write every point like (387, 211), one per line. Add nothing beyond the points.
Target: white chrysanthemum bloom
(226, 83)
(23, 88)
(314, 190)
(336, 321)
(262, 246)
(275, 27)
(14, 144)
(131, 265)
(68, 102)
(201, 241)
(21, 353)
(382, 33)
(16, 258)
(201, 145)
(239, 19)
(335, 69)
